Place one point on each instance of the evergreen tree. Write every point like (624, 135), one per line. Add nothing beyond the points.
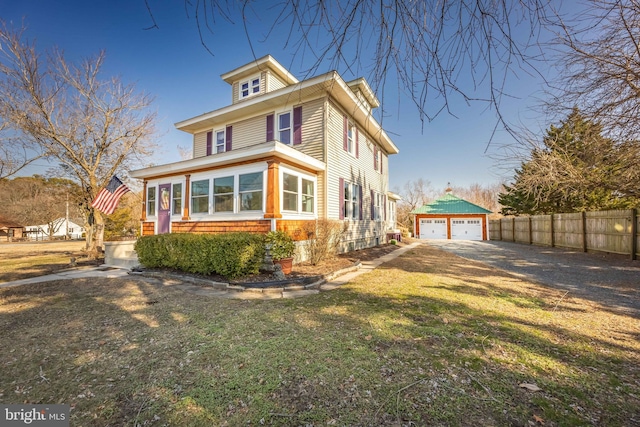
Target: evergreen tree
(576, 169)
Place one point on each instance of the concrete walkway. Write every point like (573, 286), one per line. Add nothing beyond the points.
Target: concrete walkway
(220, 291)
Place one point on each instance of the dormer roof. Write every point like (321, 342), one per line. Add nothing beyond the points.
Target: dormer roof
(261, 64)
(361, 85)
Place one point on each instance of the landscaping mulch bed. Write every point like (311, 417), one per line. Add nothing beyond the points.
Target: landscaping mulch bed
(303, 273)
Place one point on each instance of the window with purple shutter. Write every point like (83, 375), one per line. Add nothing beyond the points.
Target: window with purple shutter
(341, 184)
(270, 120)
(360, 201)
(375, 158)
(297, 126)
(228, 139)
(209, 142)
(384, 202)
(373, 205)
(346, 134)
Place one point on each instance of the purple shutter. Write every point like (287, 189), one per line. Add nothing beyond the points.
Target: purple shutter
(341, 183)
(384, 202)
(297, 126)
(229, 138)
(346, 134)
(381, 161)
(357, 144)
(209, 142)
(360, 201)
(373, 205)
(270, 119)
(375, 158)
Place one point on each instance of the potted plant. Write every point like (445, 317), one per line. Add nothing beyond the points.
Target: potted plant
(281, 248)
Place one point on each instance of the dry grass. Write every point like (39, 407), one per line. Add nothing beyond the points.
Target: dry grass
(427, 339)
(31, 259)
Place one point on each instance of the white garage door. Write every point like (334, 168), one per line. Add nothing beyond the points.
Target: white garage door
(466, 229)
(433, 228)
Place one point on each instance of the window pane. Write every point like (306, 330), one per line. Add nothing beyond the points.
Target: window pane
(200, 204)
(307, 187)
(245, 85)
(223, 203)
(200, 188)
(290, 201)
(284, 121)
(223, 185)
(285, 137)
(251, 182)
(220, 140)
(289, 182)
(307, 204)
(251, 201)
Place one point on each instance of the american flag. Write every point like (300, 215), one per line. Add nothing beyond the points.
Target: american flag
(107, 199)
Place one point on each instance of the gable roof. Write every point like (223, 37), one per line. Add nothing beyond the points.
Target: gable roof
(450, 204)
(6, 224)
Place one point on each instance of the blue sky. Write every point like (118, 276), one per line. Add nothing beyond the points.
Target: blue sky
(171, 64)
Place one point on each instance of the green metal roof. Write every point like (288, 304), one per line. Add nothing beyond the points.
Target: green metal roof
(450, 204)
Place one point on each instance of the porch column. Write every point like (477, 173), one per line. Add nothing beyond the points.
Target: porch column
(273, 190)
(144, 201)
(187, 197)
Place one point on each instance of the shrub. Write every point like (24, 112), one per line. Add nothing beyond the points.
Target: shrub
(323, 238)
(230, 254)
(393, 241)
(280, 244)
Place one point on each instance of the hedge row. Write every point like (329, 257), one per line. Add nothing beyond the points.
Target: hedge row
(230, 254)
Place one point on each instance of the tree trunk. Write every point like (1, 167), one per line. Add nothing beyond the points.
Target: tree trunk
(95, 236)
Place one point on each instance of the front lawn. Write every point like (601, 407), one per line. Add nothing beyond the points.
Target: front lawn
(426, 339)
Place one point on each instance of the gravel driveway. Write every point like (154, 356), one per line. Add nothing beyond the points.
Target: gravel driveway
(610, 280)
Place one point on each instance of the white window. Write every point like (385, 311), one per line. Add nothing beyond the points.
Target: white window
(250, 87)
(223, 194)
(151, 201)
(220, 143)
(377, 206)
(284, 128)
(200, 196)
(351, 139)
(298, 193)
(251, 191)
(176, 199)
(351, 201)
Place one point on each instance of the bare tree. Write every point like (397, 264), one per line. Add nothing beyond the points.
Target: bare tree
(93, 128)
(415, 193)
(430, 48)
(599, 60)
(14, 154)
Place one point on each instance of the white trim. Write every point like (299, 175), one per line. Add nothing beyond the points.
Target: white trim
(256, 152)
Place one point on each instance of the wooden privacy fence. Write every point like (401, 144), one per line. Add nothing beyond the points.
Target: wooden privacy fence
(615, 231)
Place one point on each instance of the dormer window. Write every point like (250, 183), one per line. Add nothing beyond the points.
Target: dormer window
(250, 87)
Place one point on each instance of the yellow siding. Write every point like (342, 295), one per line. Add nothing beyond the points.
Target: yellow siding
(200, 144)
(340, 164)
(273, 82)
(249, 132)
(312, 129)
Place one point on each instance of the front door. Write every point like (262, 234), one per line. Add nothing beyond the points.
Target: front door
(164, 208)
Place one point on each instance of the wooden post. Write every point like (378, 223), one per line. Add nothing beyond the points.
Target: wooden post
(513, 228)
(553, 237)
(530, 231)
(500, 229)
(187, 197)
(634, 233)
(584, 231)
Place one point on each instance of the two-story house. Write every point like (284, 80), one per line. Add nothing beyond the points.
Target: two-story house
(283, 152)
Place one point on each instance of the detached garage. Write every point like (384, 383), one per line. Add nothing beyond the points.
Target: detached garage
(451, 217)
